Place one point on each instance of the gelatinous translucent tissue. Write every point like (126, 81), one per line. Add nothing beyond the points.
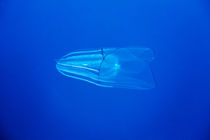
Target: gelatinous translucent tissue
(110, 67)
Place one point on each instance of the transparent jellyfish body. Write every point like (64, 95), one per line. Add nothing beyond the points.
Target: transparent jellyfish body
(110, 67)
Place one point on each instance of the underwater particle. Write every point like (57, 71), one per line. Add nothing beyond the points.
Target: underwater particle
(110, 67)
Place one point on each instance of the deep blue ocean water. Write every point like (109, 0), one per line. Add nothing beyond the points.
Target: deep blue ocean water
(38, 103)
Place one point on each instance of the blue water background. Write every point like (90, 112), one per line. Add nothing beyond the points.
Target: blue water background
(38, 103)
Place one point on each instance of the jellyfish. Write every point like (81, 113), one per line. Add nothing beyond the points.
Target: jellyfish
(127, 67)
